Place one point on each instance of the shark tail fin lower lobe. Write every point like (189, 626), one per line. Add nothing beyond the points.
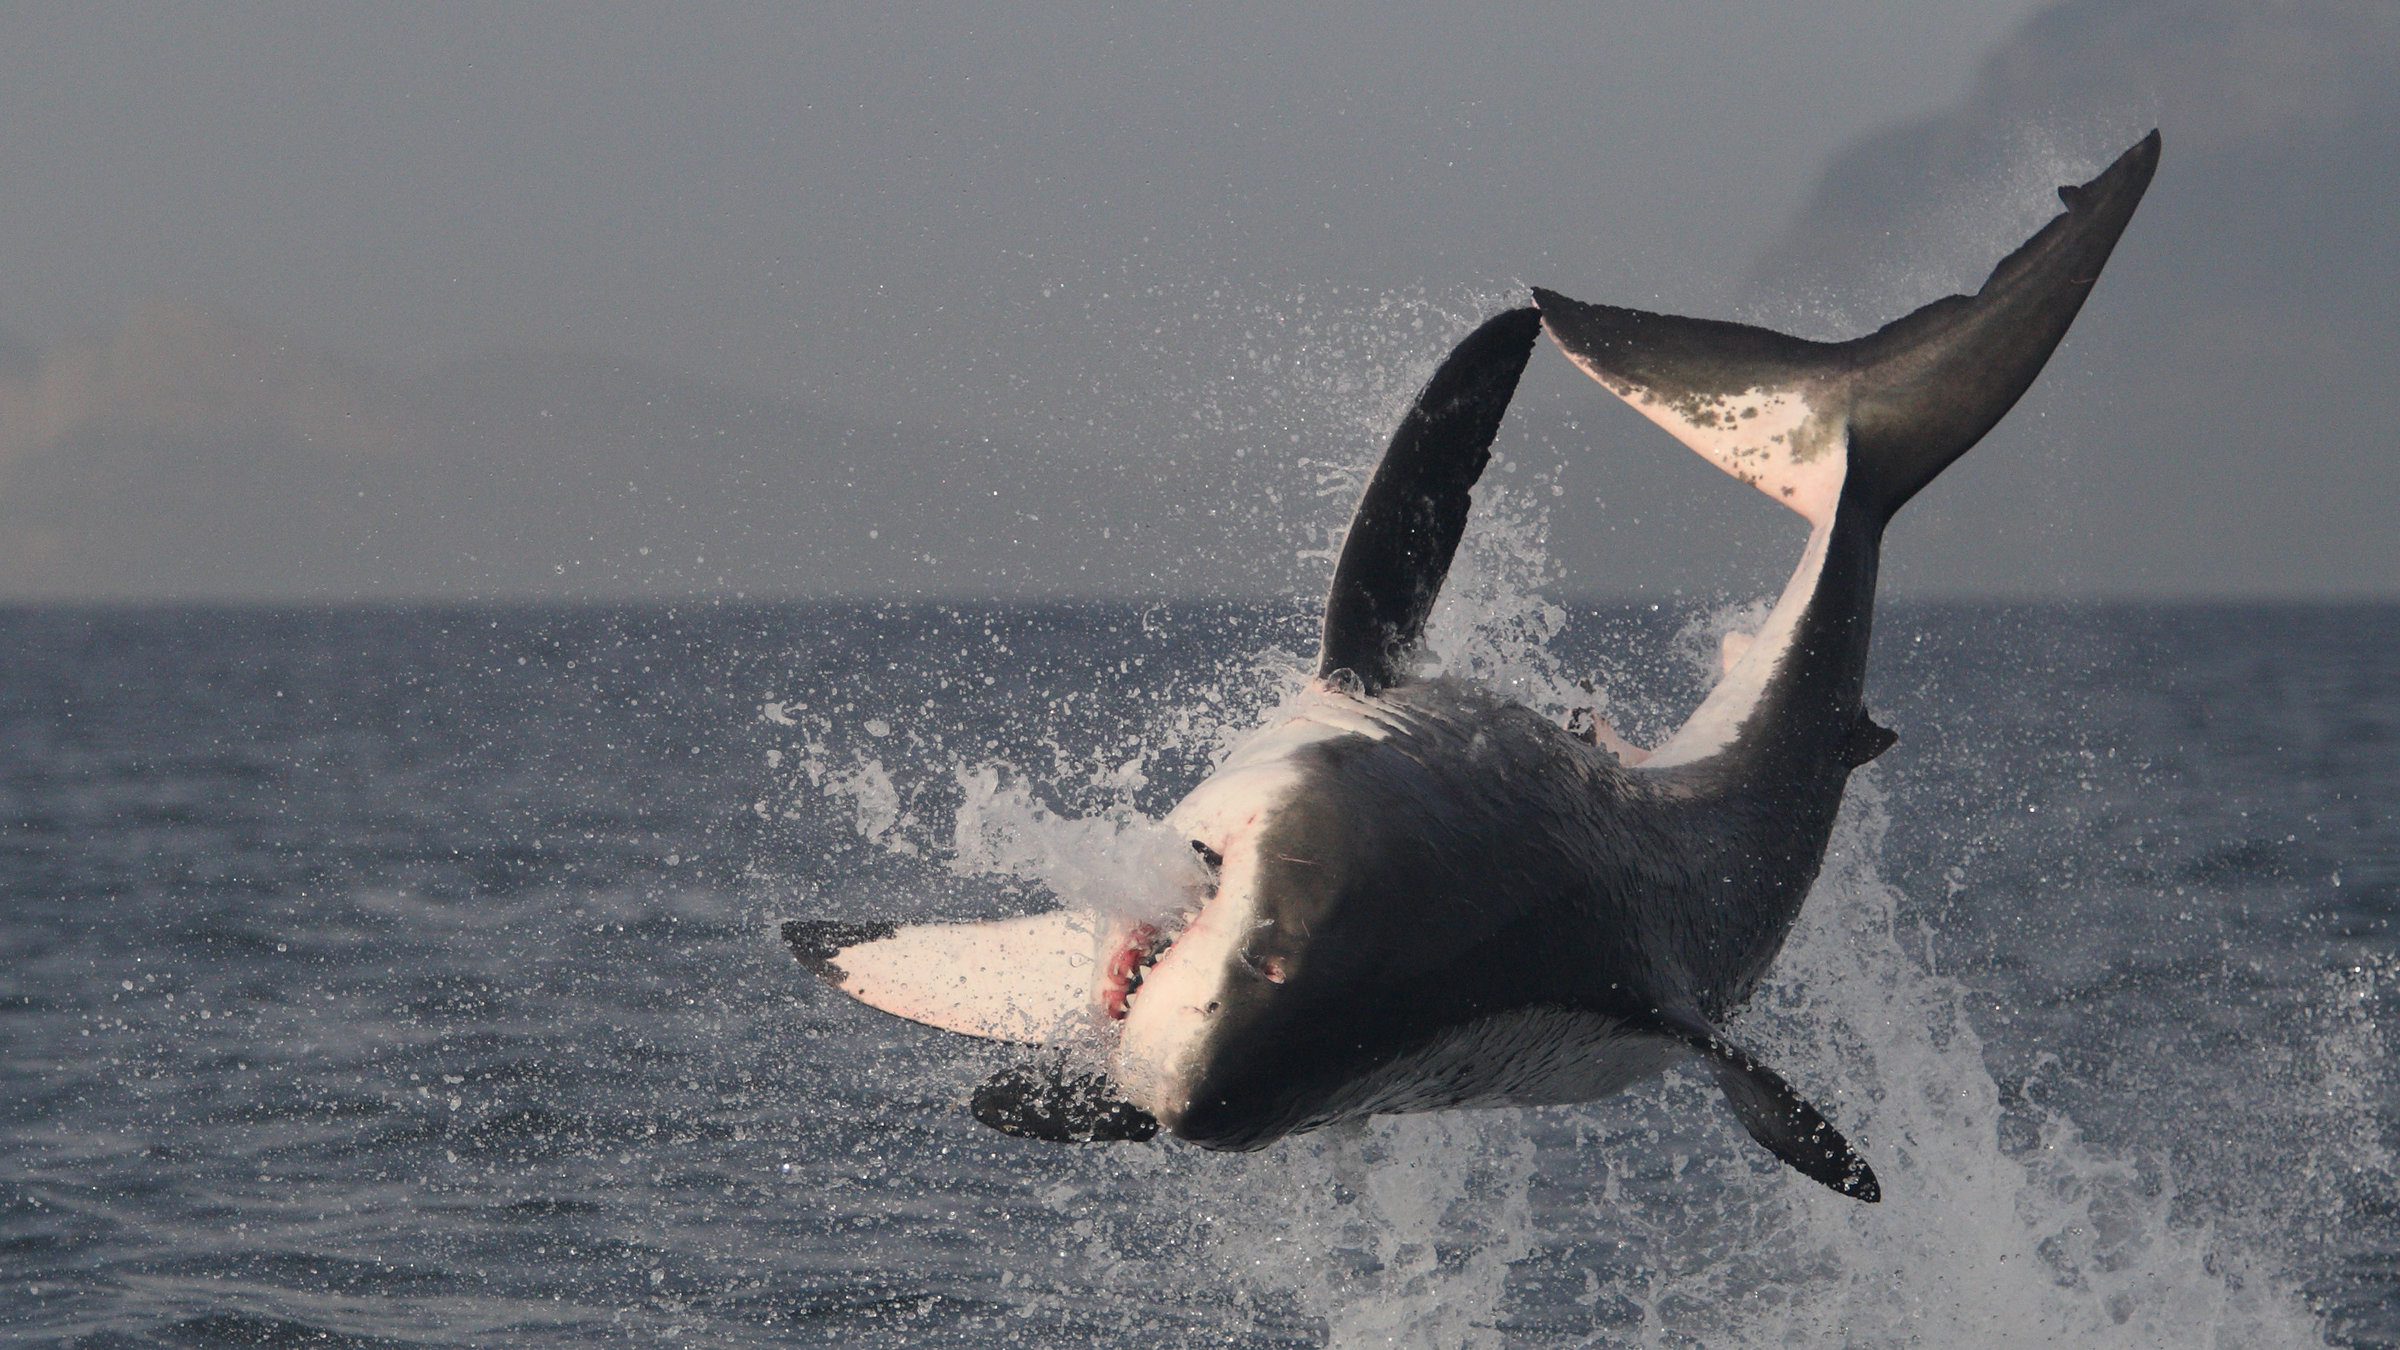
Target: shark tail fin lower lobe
(1873, 420)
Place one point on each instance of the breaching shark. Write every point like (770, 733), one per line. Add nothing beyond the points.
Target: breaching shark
(1409, 894)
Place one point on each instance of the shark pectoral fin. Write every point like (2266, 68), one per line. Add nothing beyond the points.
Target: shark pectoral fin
(1867, 740)
(1010, 980)
(1781, 1120)
(1047, 1102)
(1730, 649)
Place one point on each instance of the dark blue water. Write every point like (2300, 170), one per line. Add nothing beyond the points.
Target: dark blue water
(407, 977)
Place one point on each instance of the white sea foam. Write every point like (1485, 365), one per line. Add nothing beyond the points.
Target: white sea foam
(1409, 1231)
(1975, 1244)
(1649, 1219)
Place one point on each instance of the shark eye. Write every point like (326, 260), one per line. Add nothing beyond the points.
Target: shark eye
(1214, 860)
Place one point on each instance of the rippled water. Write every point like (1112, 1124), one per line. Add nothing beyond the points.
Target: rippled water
(408, 977)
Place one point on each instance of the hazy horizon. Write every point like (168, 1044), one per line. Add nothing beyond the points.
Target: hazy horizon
(308, 303)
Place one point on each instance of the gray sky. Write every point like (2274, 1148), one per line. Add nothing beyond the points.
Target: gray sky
(1082, 230)
(810, 196)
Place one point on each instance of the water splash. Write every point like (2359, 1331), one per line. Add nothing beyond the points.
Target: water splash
(1121, 864)
(1428, 1230)
(1650, 1220)
(1976, 1244)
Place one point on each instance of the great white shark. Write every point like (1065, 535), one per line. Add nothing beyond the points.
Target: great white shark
(1408, 893)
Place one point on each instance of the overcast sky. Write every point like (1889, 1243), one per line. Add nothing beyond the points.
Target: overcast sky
(869, 202)
(1083, 228)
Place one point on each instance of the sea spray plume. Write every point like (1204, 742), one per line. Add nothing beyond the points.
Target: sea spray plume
(1408, 893)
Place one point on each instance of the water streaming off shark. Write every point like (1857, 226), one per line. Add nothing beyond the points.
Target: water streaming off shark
(1405, 893)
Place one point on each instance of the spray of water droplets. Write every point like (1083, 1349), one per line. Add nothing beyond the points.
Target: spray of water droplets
(1648, 1219)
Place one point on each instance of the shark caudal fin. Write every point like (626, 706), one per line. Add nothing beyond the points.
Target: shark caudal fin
(1874, 419)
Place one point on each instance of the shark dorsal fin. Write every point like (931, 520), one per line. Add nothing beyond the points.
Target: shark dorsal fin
(1408, 524)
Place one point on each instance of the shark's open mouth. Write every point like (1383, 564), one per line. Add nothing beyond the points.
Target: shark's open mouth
(1143, 945)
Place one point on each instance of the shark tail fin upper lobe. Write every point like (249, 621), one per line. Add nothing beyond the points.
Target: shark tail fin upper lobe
(1869, 422)
(1933, 382)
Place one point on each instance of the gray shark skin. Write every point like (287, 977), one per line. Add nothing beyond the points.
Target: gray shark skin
(1419, 896)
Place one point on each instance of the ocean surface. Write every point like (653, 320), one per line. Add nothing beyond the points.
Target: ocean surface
(408, 977)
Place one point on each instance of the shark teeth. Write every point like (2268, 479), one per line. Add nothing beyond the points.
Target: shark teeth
(1144, 944)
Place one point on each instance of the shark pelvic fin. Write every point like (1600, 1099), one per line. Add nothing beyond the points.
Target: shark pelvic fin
(1781, 1120)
